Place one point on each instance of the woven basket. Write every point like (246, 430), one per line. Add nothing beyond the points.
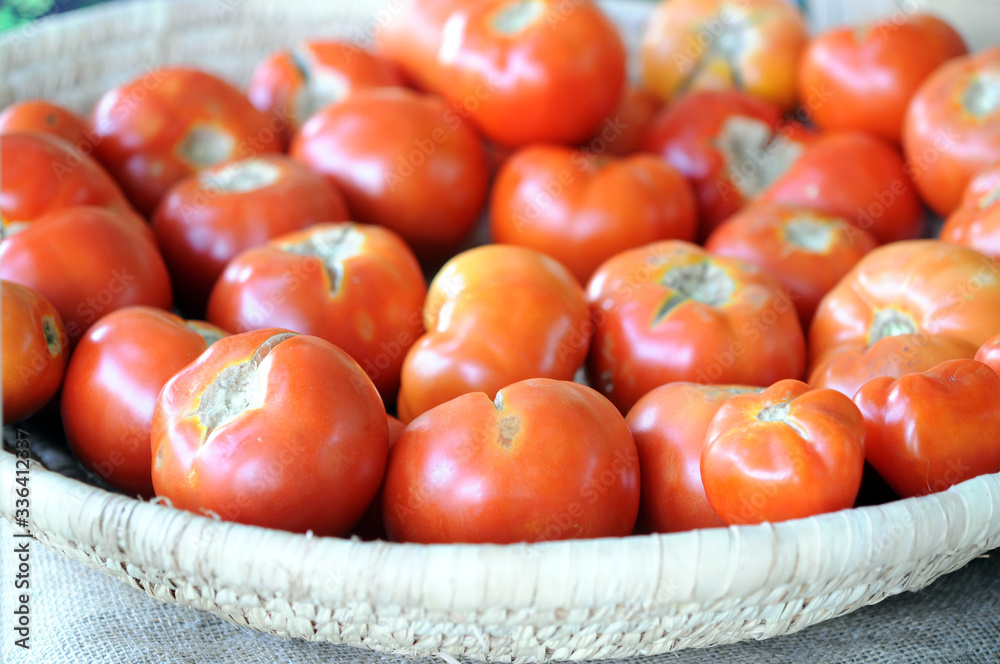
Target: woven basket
(529, 602)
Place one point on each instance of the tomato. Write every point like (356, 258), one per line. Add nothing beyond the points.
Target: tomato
(951, 130)
(930, 430)
(39, 115)
(670, 311)
(409, 32)
(669, 426)
(296, 83)
(424, 173)
(207, 218)
(625, 127)
(544, 460)
(729, 144)
(527, 71)
(753, 45)
(273, 429)
(359, 287)
(581, 208)
(169, 123)
(857, 176)
(870, 72)
(976, 221)
(918, 286)
(34, 351)
(87, 261)
(786, 453)
(494, 315)
(847, 367)
(42, 173)
(111, 385)
(807, 251)
(989, 353)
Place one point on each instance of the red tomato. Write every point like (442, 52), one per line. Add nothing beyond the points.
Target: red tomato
(359, 287)
(807, 251)
(670, 311)
(272, 429)
(786, 453)
(295, 84)
(976, 221)
(582, 209)
(928, 431)
(494, 315)
(669, 426)
(409, 32)
(989, 353)
(169, 123)
(34, 351)
(544, 460)
(867, 74)
(111, 385)
(207, 218)
(625, 127)
(39, 115)
(753, 45)
(527, 71)
(952, 128)
(87, 261)
(424, 171)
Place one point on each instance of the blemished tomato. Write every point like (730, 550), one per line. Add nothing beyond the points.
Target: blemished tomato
(409, 33)
(424, 173)
(917, 286)
(807, 251)
(930, 430)
(976, 221)
(868, 73)
(494, 315)
(670, 311)
(43, 173)
(625, 127)
(669, 426)
(273, 429)
(989, 353)
(786, 453)
(88, 261)
(39, 115)
(209, 217)
(544, 460)
(34, 353)
(753, 45)
(355, 285)
(952, 128)
(169, 123)
(296, 83)
(116, 372)
(581, 208)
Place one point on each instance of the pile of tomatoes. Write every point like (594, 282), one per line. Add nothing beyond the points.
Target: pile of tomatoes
(704, 302)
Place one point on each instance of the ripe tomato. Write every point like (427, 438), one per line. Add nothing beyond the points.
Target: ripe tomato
(952, 128)
(528, 71)
(424, 171)
(111, 385)
(409, 33)
(582, 209)
(295, 84)
(209, 217)
(670, 311)
(357, 286)
(544, 460)
(930, 430)
(42, 173)
(625, 127)
(786, 453)
(309, 456)
(494, 315)
(39, 115)
(870, 72)
(918, 286)
(87, 261)
(753, 45)
(669, 426)
(34, 351)
(976, 221)
(989, 353)
(168, 123)
(808, 252)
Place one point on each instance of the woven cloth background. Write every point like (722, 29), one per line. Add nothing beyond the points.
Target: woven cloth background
(79, 615)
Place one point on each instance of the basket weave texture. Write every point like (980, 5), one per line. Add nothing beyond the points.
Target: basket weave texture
(593, 599)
